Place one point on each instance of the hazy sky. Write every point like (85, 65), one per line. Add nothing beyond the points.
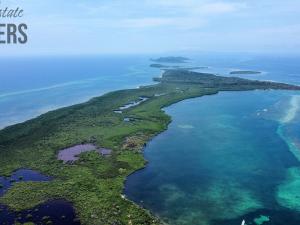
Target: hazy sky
(155, 26)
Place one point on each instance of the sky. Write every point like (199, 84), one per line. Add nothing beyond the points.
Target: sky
(156, 26)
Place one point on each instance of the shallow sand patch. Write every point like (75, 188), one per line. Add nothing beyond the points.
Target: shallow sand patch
(186, 126)
(288, 193)
(293, 109)
(261, 220)
(224, 199)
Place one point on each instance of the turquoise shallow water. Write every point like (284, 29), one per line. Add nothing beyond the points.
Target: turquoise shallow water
(34, 85)
(223, 160)
(30, 86)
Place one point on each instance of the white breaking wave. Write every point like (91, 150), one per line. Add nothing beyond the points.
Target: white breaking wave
(292, 110)
(44, 88)
(66, 84)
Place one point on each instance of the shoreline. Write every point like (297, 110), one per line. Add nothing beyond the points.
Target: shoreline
(43, 136)
(152, 138)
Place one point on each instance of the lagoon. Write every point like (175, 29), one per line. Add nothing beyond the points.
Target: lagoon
(222, 161)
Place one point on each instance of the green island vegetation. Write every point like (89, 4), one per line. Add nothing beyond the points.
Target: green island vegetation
(245, 72)
(161, 66)
(93, 183)
(171, 59)
(193, 68)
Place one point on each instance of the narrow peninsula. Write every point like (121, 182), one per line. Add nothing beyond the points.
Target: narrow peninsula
(110, 139)
(245, 72)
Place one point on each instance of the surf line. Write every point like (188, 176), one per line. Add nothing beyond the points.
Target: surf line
(293, 109)
(290, 115)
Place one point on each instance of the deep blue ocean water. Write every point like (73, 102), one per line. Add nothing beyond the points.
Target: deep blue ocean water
(225, 158)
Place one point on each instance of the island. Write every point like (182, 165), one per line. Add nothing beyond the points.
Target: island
(191, 68)
(161, 66)
(171, 59)
(245, 72)
(109, 146)
(157, 65)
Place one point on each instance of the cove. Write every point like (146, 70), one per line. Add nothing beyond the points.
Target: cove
(220, 162)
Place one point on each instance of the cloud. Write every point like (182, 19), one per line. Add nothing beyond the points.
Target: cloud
(170, 23)
(146, 22)
(220, 7)
(158, 25)
(196, 6)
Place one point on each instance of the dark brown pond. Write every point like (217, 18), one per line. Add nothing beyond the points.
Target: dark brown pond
(58, 212)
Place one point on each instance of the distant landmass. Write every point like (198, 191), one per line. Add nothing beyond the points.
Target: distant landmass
(245, 72)
(192, 68)
(161, 66)
(208, 80)
(171, 59)
(156, 65)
